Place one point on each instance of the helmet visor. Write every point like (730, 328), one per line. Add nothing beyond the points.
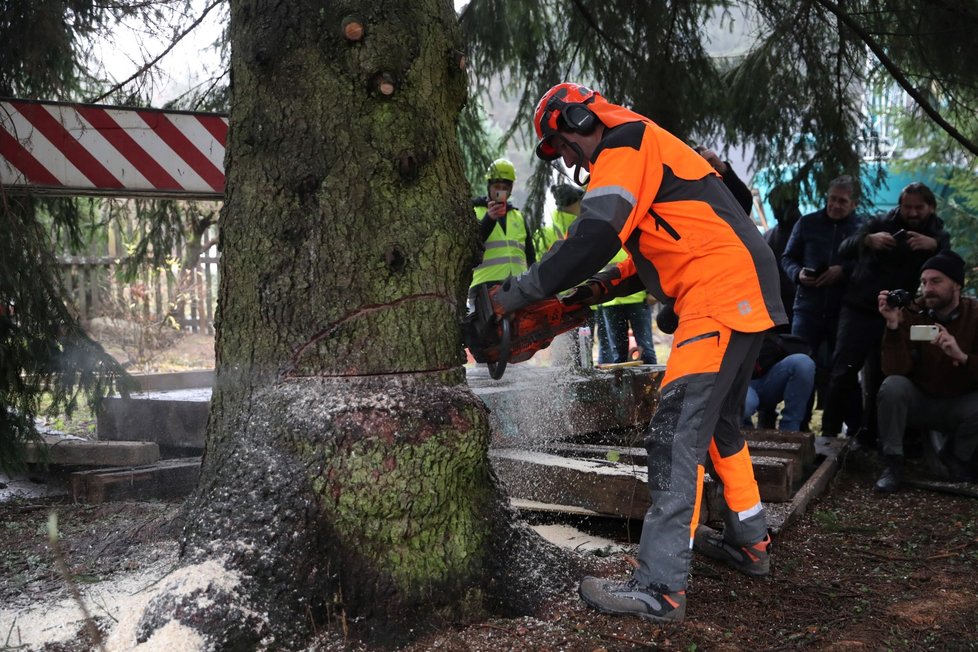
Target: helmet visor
(546, 150)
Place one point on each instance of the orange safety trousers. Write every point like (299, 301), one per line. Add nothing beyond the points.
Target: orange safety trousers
(699, 416)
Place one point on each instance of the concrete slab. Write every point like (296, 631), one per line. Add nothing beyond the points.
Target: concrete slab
(60, 450)
(175, 380)
(175, 420)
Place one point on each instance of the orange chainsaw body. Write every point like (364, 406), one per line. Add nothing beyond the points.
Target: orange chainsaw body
(519, 335)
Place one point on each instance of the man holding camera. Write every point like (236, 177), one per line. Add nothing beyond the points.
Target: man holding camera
(502, 229)
(888, 251)
(930, 359)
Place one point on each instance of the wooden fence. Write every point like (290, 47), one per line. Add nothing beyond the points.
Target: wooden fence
(188, 297)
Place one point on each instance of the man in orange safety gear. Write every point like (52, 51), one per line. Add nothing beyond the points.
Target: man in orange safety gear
(690, 244)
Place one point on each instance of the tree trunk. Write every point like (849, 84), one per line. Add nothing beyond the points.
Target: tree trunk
(346, 477)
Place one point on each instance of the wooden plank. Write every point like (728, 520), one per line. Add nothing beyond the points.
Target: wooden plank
(775, 478)
(789, 450)
(541, 482)
(805, 439)
(831, 450)
(61, 451)
(623, 454)
(776, 475)
(968, 489)
(602, 487)
(534, 404)
(165, 479)
(550, 508)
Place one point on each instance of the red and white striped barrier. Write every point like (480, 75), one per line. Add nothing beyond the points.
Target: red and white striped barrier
(85, 149)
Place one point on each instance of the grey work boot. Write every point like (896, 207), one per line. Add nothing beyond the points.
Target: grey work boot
(892, 476)
(630, 598)
(752, 559)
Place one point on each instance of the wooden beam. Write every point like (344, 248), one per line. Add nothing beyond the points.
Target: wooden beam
(805, 440)
(602, 487)
(776, 475)
(165, 479)
(831, 450)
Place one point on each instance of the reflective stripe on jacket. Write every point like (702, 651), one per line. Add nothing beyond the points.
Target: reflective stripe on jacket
(687, 236)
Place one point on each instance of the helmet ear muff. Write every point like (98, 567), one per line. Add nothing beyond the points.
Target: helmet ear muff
(578, 118)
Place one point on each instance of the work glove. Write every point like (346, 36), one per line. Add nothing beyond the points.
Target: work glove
(497, 309)
(667, 320)
(588, 294)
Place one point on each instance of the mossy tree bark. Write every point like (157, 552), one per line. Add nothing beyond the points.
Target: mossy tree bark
(346, 474)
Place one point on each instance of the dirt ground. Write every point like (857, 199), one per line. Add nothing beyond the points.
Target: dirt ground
(857, 572)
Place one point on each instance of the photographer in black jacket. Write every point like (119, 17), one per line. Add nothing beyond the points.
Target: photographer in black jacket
(889, 252)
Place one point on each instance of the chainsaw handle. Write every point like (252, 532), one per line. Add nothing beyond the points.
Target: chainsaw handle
(497, 368)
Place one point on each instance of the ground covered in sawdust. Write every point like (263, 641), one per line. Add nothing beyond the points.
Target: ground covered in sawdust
(857, 572)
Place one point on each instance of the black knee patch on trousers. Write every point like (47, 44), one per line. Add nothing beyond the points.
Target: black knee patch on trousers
(661, 435)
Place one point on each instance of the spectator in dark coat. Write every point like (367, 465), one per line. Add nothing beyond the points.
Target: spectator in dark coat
(889, 252)
(812, 262)
(784, 206)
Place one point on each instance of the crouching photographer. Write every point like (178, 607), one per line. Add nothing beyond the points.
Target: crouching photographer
(930, 358)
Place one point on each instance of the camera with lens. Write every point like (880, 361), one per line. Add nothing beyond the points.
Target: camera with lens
(898, 298)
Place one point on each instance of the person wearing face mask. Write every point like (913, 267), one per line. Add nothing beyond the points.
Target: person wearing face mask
(930, 357)
(690, 244)
(888, 252)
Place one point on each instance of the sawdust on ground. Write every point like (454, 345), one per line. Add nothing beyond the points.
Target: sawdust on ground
(858, 571)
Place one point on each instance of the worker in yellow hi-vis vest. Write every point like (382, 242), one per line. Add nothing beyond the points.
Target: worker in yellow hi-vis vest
(614, 319)
(568, 200)
(502, 229)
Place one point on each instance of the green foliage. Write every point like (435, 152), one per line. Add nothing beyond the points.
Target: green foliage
(795, 94)
(165, 226)
(924, 147)
(479, 146)
(45, 50)
(40, 45)
(43, 350)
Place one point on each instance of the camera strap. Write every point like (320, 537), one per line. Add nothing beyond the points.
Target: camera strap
(945, 320)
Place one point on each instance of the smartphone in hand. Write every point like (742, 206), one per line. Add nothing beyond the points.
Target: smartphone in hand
(923, 333)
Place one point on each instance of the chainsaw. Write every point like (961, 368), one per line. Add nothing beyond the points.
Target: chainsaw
(519, 335)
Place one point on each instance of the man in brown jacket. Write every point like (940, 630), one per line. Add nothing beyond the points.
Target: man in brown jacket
(931, 378)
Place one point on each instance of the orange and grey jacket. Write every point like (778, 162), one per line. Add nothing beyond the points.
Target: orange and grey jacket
(688, 239)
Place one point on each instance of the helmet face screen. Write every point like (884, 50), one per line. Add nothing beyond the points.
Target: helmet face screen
(549, 111)
(546, 151)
